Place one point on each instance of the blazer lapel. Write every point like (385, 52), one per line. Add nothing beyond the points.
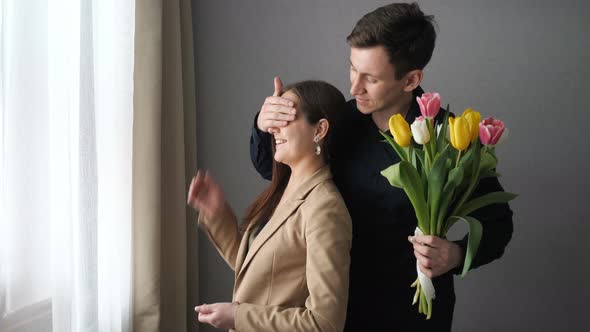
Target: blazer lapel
(281, 214)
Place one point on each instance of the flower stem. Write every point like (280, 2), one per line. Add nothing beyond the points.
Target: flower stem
(472, 183)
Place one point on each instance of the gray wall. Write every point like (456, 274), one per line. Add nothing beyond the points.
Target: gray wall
(526, 62)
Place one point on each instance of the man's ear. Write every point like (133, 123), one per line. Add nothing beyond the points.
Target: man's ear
(412, 80)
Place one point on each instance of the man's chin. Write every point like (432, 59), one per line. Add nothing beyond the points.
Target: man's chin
(364, 106)
(364, 109)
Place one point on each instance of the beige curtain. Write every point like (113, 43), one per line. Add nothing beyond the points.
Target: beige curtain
(164, 160)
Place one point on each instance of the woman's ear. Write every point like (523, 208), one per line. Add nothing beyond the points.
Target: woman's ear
(321, 129)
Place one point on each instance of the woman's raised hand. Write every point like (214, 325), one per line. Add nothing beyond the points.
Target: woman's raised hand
(205, 195)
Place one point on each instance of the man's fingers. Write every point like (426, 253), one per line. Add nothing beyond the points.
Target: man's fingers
(278, 86)
(275, 105)
(276, 100)
(424, 250)
(424, 269)
(428, 272)
(427, 240)
(423, 260)
(276, 112)
(426, 266)
(275, 124)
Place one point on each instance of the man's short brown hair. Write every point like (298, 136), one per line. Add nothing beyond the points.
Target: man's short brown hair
(403, 30)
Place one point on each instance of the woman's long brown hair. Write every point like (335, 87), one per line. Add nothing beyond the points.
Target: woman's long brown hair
(317, 100)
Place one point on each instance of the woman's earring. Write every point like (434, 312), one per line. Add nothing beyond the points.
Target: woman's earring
(318, 149)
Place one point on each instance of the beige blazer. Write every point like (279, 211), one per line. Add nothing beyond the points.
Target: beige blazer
(295, 275)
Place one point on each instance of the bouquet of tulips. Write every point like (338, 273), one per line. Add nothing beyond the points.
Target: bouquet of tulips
(441, 165)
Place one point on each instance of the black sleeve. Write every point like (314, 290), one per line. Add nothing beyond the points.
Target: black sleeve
(261, 151)
(496, 221)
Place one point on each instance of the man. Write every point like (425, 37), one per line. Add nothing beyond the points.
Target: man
(389, 49)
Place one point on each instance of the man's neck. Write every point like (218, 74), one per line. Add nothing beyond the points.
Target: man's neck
(381, 118)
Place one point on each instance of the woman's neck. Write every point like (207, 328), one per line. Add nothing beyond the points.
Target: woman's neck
(303, 171)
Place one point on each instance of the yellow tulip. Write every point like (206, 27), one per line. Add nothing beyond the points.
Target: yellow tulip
(400, 129)
(473, 119)
(460, 136)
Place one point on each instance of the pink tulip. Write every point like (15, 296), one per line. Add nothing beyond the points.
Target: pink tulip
(490, 131)
(429, 104)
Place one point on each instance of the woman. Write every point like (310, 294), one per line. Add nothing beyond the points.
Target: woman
(292, 254)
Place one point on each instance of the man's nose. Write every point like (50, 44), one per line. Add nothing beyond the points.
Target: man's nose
(355, 87)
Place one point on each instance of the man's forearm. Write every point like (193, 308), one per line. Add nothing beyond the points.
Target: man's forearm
(261, 151)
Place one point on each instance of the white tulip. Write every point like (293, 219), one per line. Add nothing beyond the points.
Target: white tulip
(420, 131)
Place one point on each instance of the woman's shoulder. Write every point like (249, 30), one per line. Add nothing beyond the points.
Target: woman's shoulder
(324, 208)
(326, 188)
(326, 195)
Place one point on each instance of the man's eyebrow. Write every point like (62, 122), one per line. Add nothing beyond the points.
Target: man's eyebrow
(368, 74)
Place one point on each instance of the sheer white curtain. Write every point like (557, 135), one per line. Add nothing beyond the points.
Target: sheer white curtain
(66, 113)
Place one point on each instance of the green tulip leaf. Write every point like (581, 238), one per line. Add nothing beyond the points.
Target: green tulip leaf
(468, 157)
(484, 200)
(392, 175)
(473, 240)
(436, 181)
(414, 188)
(492, 151)
(454, 180)
(488, 162)
(420, 155)
(401, 152)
